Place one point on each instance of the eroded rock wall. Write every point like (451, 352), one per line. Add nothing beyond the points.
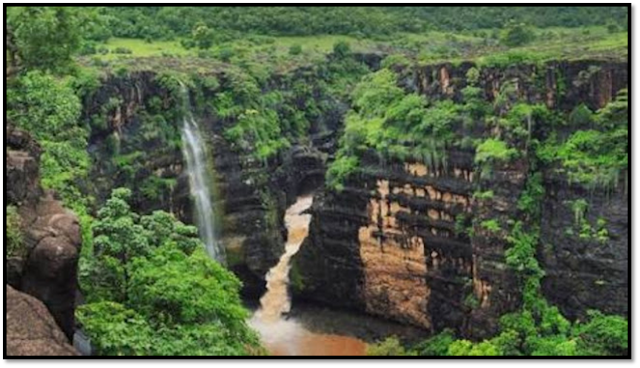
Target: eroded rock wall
(396, 241)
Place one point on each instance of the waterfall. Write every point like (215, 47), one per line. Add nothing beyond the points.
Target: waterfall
(275, 302)
(193, 149)
(288, 336)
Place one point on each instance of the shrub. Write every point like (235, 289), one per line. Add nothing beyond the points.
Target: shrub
(391, 346)
(295, 50)
(13, 233)
(517, 34)
(341, 49)
(121, 50)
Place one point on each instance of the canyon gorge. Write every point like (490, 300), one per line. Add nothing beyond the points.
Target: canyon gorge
(355, 201)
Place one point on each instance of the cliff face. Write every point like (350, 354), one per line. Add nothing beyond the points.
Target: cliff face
(585, 273)
(392, 243)
(132, 143)
(44, 264)
(395, 241)
(250, 196)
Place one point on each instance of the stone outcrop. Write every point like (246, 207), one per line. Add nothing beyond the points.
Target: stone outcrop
(30, 328)
(45, 266)
(22, 167)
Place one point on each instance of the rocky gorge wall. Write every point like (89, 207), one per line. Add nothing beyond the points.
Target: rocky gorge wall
(396, 241)
(392, 243)
(250, 196)
(41, 270)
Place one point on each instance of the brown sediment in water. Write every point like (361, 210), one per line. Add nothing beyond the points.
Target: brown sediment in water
(288, 337)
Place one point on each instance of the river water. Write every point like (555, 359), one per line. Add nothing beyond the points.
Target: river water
(307, 329)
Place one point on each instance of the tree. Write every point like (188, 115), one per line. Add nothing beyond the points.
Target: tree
(43, 37)
(202, 36)
(153, 290)
(341, 49)
(517, 34)
(49, 109)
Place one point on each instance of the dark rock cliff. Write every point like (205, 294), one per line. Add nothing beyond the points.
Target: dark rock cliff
(129, 144)
(395, 242)
(45, 265)
(390, 244)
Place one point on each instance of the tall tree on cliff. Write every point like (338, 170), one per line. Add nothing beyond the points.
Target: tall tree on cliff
(43, 37)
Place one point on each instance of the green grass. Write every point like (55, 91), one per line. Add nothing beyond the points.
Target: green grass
(272, 53)
(141, 48)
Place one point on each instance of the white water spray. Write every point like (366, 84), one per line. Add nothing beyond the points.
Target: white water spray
(193, 149)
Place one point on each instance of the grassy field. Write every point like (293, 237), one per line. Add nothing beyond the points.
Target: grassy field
(273, 53)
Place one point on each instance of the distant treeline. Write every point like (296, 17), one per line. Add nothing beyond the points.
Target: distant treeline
(154, 22)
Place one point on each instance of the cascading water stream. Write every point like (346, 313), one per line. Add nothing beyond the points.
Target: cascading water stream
(193, 150)
(275, 302)
(286, 336)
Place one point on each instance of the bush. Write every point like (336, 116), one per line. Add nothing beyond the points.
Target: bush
(613, 28)
(295, 50)
(494, 151)
(437, 345)
(225, 54)
(391, 346)
(88, 48)
(13, 233)
(517, 34)
(121, 50)
(341, 49)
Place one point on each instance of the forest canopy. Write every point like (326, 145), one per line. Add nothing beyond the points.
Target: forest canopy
(168, 22)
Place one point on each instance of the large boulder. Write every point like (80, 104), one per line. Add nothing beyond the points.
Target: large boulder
(31, 330)
(46, 264)
(22, 167)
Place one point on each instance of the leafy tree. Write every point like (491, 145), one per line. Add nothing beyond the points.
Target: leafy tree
(517, 34)
(141, 285)
(437, 345)
(202, 36)
(49, 109)
(44, 37)
(116, 330)
(341, 49)
(602, 335)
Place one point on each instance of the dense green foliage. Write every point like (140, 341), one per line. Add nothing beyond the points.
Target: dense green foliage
(394, 125)
(140, 284)
(391, 346)
(33, 30)
(48, 108)
(597, 154)
(140, 274)
(266, 122)
(517, 34)
(168, 22)
(13, 232)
